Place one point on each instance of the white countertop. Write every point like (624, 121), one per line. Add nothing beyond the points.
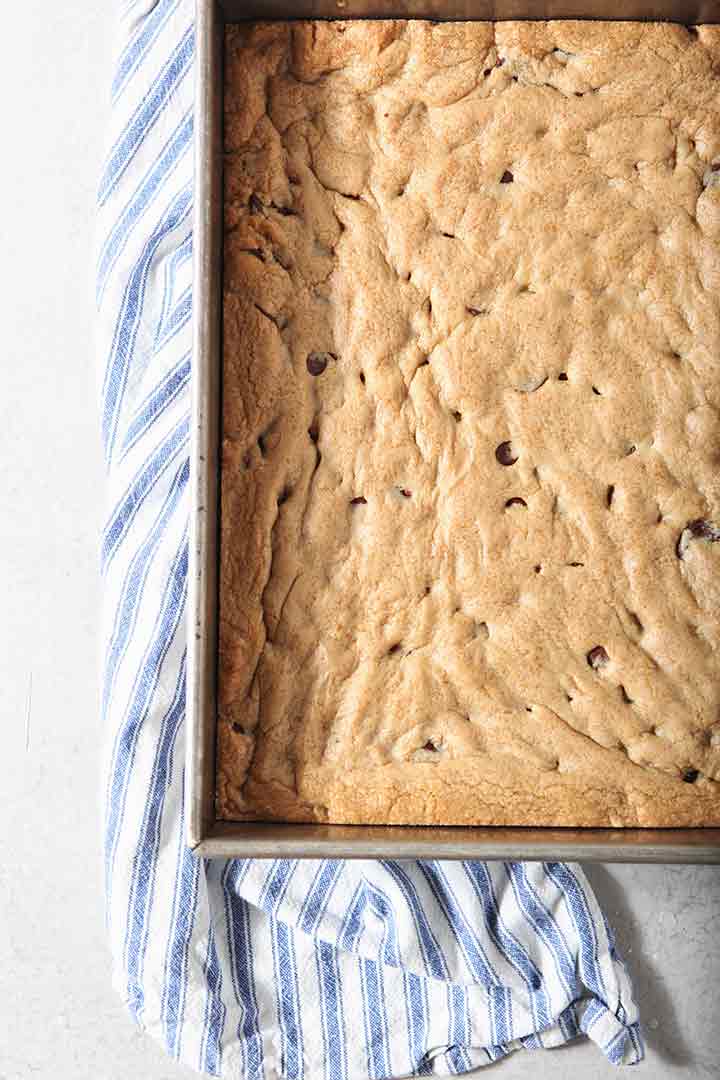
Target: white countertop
(59, 1018)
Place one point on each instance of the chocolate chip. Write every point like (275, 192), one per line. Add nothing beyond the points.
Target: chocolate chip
(256, 207)
(596, 391)
(486, 72)
(318, 361)
(362, 377)
(690, 775)
(359, 500)
(704, 530)
(405, 493)
(507, 177)
(562, 377)
(504, 454)
(515, 501)
(576, 564)
(457, 416)
(609, 496)
(430, 746)
(238, 728)
(537, 568)
(630, 450)
(394, 648)
(696, 530)
(597, 657)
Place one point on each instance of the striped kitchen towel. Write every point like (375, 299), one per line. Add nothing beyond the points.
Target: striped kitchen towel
(264, 969)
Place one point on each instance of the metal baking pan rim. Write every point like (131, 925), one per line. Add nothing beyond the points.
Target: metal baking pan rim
(206, 835)
(264, 840)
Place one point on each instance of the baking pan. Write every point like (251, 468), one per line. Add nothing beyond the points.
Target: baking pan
(207, 835)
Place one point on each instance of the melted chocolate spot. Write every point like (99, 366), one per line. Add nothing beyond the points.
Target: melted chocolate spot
(504, 454)
(317, 362)
(700, 529)
(597, 657)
